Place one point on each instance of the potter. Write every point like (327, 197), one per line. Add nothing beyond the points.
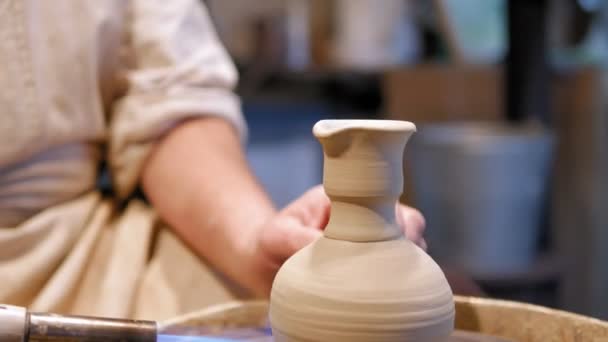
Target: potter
(362, 280)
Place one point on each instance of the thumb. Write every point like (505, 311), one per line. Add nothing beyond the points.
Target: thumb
(311, 209)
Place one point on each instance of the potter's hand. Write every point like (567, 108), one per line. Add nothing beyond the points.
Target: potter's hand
(291, 229)
(413, 224)
(300, 223)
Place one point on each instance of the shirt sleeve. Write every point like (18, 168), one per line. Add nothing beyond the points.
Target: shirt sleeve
(179, 71)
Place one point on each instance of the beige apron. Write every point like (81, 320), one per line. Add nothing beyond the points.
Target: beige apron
(81, 81)
(86, 257)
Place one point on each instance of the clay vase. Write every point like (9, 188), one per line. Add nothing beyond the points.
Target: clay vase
(362, 280)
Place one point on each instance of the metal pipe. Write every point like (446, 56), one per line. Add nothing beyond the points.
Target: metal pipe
(18, 325)
(12, 323)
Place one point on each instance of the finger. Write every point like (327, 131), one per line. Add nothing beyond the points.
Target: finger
(286, 237)
(422, 244)
(311, 209)
(411, 221)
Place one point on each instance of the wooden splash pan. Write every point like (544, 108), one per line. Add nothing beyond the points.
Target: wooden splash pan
(477, 319)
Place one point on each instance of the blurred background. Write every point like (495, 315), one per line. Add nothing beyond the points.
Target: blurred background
(510, 164)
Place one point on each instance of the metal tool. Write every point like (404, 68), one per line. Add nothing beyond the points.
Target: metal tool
(19, 325)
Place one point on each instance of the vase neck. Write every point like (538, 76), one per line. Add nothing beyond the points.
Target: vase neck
(363, 176)
(362, 221)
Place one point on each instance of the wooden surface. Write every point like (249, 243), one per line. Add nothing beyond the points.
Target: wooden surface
(442, 92)
(525, 322)
(436, 93)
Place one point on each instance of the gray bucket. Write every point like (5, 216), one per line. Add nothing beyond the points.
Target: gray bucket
(481, 187)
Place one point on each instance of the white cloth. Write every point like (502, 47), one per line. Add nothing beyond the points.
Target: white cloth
(82, 80)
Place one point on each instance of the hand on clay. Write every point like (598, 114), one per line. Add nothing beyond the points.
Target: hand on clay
(291, 229)
(303, 221)
(412, 222)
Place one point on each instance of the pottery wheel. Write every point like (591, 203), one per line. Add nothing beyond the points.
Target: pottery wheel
(248, 322)
(457, 336)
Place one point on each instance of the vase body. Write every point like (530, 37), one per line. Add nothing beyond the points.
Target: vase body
(363, 280)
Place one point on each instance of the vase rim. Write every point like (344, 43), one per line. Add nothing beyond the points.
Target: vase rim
(328, 127)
